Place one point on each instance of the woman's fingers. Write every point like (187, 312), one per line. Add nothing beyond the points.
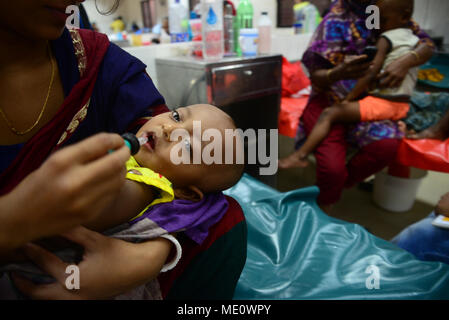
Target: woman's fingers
(356, 59)
(385, 79)
(356, 67)
(112, 164)
(28, 288)
(83, 236)
(92, 148)
(47, 261)
(39, 292)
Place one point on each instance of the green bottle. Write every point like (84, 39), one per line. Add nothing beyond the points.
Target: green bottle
(244, 19)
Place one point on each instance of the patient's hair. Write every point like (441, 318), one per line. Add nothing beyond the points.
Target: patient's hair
(224, 176)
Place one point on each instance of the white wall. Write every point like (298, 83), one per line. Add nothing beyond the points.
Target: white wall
(103, 22)
(130, 10)
(433, 15)
(149, 54)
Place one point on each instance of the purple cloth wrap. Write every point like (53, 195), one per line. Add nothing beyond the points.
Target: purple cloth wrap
(194, 218)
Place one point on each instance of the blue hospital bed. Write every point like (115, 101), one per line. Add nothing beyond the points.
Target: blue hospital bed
(295, 251)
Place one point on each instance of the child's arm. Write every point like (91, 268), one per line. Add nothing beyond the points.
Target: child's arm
(383, 47)
(131, 200)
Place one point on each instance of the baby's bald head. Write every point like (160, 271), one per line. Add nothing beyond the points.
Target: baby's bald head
(223, 175)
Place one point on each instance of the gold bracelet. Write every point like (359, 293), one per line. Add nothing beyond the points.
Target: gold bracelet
(416, 54)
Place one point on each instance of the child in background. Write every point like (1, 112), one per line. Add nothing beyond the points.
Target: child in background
(395, 41)
(153, 179)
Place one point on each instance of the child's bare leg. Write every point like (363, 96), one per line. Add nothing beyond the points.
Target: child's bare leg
(345, 112)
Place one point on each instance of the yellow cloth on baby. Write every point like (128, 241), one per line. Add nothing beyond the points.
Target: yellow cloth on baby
(147, 176)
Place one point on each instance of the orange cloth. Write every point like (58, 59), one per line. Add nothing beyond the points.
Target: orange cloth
(374, 109)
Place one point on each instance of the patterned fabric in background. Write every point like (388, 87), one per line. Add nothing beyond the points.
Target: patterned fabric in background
(426, 109)
(364, 133)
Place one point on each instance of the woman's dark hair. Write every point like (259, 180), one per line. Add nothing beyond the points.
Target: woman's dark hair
(111, 10)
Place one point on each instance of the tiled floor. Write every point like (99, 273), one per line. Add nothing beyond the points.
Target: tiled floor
(356, 205)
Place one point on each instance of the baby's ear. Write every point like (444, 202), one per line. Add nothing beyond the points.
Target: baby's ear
(191, 193)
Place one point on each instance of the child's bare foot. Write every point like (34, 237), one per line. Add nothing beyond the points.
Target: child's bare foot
(430, 133)
(295, 160)
(443, 205)
(402, 127)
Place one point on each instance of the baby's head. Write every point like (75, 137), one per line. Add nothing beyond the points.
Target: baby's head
(395, 14)
(177, 150)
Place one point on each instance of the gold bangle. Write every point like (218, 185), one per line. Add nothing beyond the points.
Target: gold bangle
(416, 54)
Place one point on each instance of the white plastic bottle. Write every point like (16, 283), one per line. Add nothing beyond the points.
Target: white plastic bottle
(311, 15)
(212, 21)
(177, 19)
(264, 34)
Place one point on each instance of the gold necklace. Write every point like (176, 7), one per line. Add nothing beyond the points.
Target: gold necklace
(21, 133)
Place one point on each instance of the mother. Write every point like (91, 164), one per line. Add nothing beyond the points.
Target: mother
(333, 60)
(57, 88)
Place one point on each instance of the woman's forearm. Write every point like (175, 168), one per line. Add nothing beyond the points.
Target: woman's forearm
(324, 78)
(352, 68)
(12, 233)
(150, 257)
(419, 56)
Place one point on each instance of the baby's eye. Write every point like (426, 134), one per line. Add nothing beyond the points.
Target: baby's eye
(188, 146)
(175, 115)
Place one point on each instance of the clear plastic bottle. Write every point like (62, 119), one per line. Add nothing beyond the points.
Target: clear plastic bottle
(264, 34)
(212, 21)
(299, 17)
(228, 31)
(178, 16)
(244, 20)
(311, 18)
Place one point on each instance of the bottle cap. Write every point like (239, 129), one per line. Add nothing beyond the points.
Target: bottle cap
(131, 142)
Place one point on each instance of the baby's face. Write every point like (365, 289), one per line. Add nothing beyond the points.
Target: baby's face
(156, 154)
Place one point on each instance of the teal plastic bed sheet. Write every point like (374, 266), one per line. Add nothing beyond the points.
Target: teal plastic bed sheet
(296, 251)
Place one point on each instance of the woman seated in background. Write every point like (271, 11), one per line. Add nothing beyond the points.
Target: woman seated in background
(334, 62)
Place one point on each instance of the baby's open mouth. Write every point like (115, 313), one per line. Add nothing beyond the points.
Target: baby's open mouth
(151, 143)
